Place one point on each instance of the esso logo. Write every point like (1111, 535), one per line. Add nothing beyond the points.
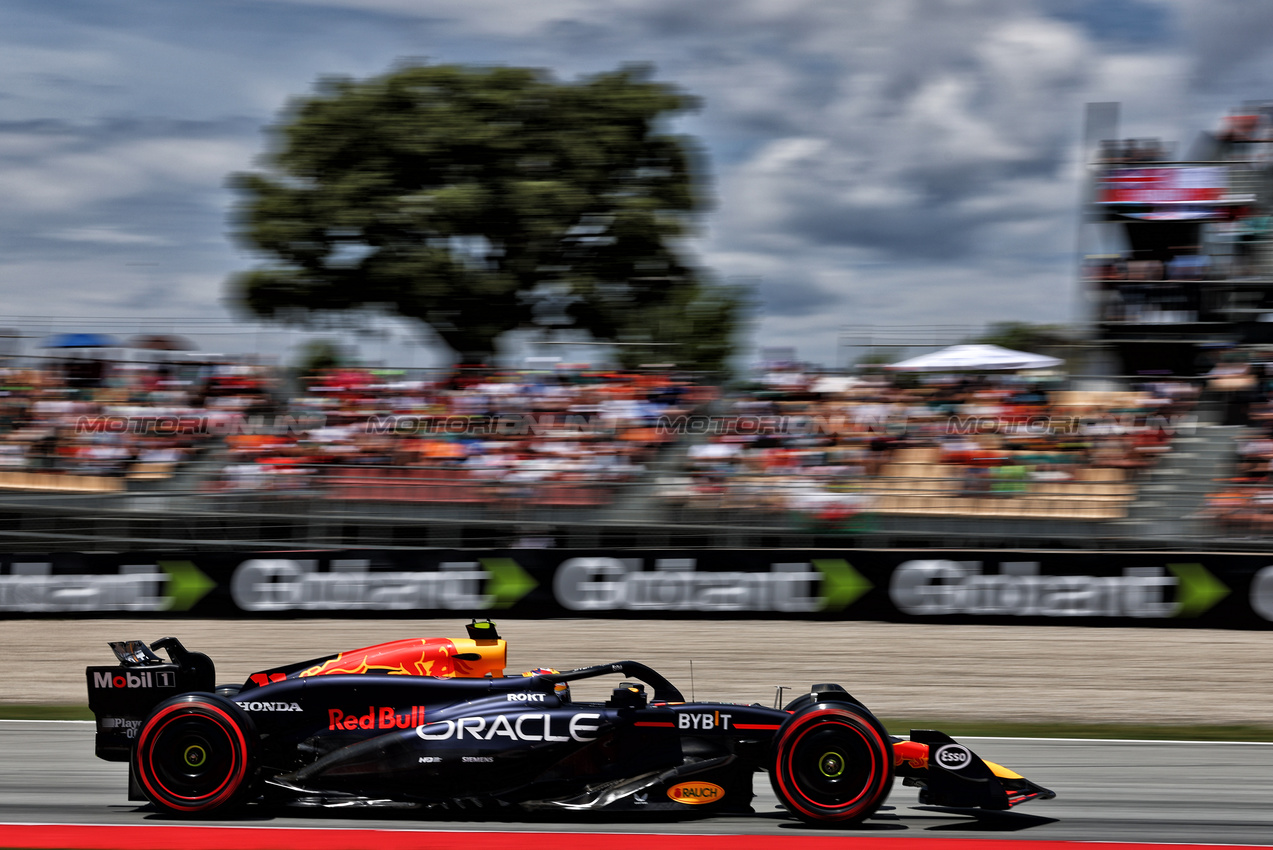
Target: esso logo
(953, 757)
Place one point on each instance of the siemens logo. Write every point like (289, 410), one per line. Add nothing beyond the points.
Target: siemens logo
(934, 588)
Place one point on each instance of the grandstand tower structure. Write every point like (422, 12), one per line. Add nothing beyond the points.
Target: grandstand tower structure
(1178, 250)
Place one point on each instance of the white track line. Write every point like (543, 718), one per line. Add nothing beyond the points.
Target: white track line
(1117, 741)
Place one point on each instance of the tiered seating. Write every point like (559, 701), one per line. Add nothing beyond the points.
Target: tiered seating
(911, 486)
(402, 484)
(151, 471)
(57, 483)
(451, 486)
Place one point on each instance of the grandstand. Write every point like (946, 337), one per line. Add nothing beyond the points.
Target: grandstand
(233, 455)
(1172, 446)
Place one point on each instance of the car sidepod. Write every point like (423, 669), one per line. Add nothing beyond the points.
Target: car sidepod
(510, 741)
(685, 758)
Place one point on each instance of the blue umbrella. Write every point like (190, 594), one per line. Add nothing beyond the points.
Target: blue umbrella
(80, 341)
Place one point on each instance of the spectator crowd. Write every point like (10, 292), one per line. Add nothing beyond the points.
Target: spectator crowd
(820, 450)
(831, 449)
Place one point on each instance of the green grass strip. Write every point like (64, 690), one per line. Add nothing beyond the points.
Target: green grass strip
(45, 712)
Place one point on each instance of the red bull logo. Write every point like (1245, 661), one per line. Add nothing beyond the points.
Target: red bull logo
(695, 793)
(386, 717)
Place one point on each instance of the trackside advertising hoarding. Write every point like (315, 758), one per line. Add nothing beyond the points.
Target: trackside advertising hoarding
(1180, 589)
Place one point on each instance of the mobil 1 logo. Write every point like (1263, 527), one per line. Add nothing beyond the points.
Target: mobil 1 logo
(125, 678)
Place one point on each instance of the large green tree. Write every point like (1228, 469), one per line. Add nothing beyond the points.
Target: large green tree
(484, 200)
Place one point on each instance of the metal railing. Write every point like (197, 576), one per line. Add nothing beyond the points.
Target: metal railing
(1174, 503)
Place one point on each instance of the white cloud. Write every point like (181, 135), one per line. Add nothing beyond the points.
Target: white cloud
(491, 17)
(70, 177)
(908, 161)
(106, 236)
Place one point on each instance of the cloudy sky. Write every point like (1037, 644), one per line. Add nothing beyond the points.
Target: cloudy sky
(874, 162)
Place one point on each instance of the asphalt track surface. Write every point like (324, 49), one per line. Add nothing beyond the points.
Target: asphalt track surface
(1124, 791)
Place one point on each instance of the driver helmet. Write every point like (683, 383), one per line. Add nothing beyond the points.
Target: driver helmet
(562, 689)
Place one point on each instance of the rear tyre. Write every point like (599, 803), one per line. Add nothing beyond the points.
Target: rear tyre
(833, 764)
(196, 754)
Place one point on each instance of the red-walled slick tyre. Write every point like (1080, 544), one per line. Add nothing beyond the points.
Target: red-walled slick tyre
(833, 764)
(196, 754)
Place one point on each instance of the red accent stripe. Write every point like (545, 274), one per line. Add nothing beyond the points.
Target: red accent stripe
(654, 723)
(94, 837)
(756, 725)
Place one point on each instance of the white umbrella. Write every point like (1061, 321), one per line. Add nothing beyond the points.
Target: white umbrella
(710, 451)
(831, 384)
(965, 358)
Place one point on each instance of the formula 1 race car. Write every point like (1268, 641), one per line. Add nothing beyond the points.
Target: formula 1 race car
(435, 723)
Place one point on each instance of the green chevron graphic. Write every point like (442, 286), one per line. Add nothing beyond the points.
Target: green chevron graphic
(508, 583)
(841, 584)
(1199, 589)
(186, 585)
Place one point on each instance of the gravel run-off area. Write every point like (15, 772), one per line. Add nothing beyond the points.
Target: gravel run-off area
(1000, 673)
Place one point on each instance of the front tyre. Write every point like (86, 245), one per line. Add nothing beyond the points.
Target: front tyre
(196, 754)
(833, 764)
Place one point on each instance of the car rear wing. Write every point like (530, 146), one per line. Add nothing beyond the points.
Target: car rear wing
(121, 696)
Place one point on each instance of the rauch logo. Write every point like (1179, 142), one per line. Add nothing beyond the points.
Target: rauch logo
(695, 793)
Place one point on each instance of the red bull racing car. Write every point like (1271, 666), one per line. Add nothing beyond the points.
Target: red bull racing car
(435, 723)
